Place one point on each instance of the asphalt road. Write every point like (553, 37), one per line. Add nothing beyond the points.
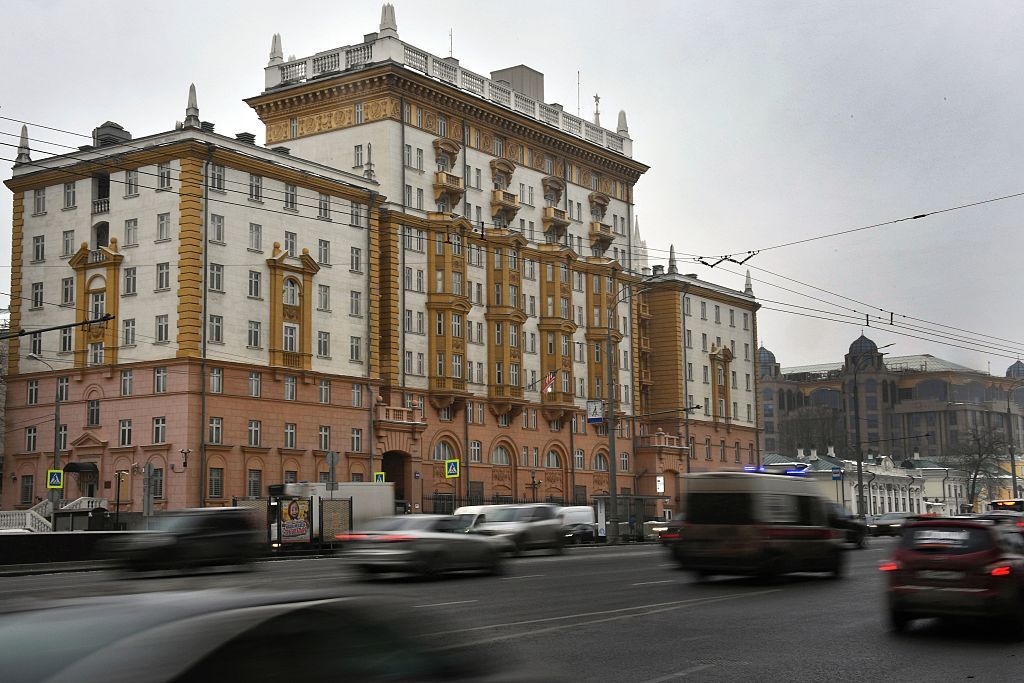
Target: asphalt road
(627, 614)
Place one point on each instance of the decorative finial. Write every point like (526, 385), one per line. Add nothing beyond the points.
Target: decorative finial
(748, 288)
(622, 129)
(24, 156)
(276, 54)
(192, 111)
(672, 269)
(388, 25)
(597, 110)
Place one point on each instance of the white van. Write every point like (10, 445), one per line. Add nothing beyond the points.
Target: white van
(757, 524)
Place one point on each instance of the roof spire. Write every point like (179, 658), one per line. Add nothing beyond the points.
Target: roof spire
(622, 129)
(672, 269)
(388, 24)
(192, 111)
(23, 150)
(276, 55)
(748, 288)
(597, 110)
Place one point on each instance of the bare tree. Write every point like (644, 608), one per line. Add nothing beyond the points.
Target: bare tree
(978, 454)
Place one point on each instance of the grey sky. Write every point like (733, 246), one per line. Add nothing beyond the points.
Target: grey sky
(762, 123)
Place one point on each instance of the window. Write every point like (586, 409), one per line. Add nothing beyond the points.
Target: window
(289, 434)
(216, 482)
(30, 439)
(162, 329)
(323, 344)
(131, 231)
(357, 395)
(129, 281)
(255, 427)
(36, 343)
(125, 433)
(324, 206)
(357, 155)
(255, 236)
(96, 353)
(357, 216)
(290, 387)
(355, 303)
(624, 462)
(39, 201)
(163, 176)
(163, 227)
(33, 392)
(69, 195)
(159, 429)
(323, 252)
(216, 431)
(356, 260)
(355, 349)
(254, 483)
(254, 334)
(475, 448)
(291, 246)
(357, 440)
(217, 277)
(325, 391)
(500, 456)
(127, 382)
(163, 276)
(291, 338)
(216, 228)
(291, 292)
(67, 243)
(217, 177)
(255, 187)
(255, 384)
(37, 295)
(255, 282)
(324, 438)
(39, 248)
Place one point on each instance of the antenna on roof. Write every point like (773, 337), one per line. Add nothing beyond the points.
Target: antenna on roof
(451, 43)
(577, 92)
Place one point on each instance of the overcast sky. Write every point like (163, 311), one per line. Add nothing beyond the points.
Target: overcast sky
(763, 123)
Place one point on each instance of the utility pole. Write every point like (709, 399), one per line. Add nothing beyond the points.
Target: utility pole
(1009, 438)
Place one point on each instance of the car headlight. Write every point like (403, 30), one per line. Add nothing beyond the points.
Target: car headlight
(659, 528)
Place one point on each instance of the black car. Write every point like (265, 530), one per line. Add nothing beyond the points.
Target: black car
(186, 539)
(854, 529)
(889, 524)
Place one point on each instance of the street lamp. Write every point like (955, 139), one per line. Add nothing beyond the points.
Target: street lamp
(534, 484)
(856, 432)
(1009, 434)
(119, 475)
(54, 494)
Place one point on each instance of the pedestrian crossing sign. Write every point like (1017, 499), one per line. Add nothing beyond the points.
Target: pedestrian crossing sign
(378, 477)
(451, 469)
(54, 479)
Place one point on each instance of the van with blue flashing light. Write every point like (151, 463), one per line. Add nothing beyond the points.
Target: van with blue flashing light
(757, 523)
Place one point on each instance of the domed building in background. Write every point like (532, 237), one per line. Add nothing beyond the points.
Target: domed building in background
(1016, 371)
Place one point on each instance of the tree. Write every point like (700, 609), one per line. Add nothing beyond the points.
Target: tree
(812, 426)
(978, 454)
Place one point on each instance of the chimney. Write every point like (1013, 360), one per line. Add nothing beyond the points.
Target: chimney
(659, 270)
(814, 454)
(917, 454)
(282, 150)
(799, 453)
(832, 451)
(247, 138)
(206, 126)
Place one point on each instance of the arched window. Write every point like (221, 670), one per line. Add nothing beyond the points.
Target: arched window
(443, 451)
(600, 462)
(552, 459)
(291, 293)
(500, 456)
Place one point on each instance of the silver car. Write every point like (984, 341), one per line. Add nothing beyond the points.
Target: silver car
(536, 525)
(420, 544)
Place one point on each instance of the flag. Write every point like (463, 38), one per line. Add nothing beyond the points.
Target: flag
(549, 381)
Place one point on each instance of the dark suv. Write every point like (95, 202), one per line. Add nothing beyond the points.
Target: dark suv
(957, 567)
(186, 539)
(854, 530)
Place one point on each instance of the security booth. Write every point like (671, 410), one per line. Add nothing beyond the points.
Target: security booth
(634, 512)
(82, 519)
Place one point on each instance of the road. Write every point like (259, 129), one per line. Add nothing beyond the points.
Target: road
(627, 614)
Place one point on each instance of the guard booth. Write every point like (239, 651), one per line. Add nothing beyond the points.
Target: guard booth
(634, 512)
(82, 519)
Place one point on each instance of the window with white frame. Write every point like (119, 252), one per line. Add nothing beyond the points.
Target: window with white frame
(163, 330)
(163, 276)
(217, 177)
(255, 284)
(216, 228)
(127, 382)
(216, 431)
(356, 260)
(357, 395)
(255, 334)
(217, 329)
(255, 384)
(355, 303)
(325, 391)
(124, 433)
(290, 387)
(324, 437)
(163, 227)
(289, 434)
(324, 207)
(69, 195)
(355, 349)
(160, 429)
(291, 292)
(323, 297)
(159, 380)
(323, 252)
(216, 277)
(323, 344)
(255, 187)
(255, 237)
(255, 432)
(290, 338)
(291, 243)
(130, 281)
(163, 175)
(67, 243)
(131, 232)
(357, 440)
(291, 197)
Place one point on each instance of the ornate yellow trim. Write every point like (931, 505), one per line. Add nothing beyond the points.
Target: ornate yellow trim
(85, 263)
(301, 315)
(190, 264)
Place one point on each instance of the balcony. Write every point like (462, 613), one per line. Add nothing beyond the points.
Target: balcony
(393, 414)
(645, 377)
(555, 220)
(447, 384)
(601, 234)
(660, 440)
(450, 185)
(644, 343)
(100, 206)
(644, 310)
(503, 202)
(293, 359)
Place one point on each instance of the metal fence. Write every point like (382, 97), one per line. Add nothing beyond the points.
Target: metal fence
(335, 518)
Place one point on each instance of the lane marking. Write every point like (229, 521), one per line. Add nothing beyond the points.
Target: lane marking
(616, 616)
(524, 576)
(445, 604)
(648, 583)
(681, 674)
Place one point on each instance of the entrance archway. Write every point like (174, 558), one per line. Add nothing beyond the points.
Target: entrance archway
(395, 466)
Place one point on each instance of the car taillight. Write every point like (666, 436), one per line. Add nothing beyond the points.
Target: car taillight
(670, 534)
(1001, 570)
(350, 537)
(396, 538)
(889, 566)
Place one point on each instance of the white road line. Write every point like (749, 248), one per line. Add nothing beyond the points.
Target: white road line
(445, 604)
(681, 674)
(524, 576)
(617, 616)
(648, 583)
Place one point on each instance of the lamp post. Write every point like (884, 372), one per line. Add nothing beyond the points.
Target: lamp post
(534, 484)
(54, 493)
(856, 433)
(119, 475)
(1009, 436)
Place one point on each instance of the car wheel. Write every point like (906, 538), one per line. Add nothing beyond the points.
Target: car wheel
(494, 566)
(433, 565)
(699, 575)
(772, 570)
(898, 620)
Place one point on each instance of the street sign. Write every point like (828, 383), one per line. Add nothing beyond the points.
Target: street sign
(451, 469)
(54, 479)
(837, 473)
(659, 483)
(332, 458)
(378, 477)
(595, 412)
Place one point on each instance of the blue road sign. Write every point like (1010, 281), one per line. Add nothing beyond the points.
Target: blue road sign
(451, 469)
(54, 479)
(837, 473)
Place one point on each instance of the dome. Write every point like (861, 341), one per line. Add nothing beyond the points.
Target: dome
(765, 357)
(1016, 370)
(862, 345)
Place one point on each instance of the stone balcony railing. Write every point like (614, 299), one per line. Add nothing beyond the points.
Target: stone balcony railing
(446, 70)
(660, 440)
(447, 384)
(395, 414)
(100, 206)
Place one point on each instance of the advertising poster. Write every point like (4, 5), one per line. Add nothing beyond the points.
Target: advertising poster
(295, 521)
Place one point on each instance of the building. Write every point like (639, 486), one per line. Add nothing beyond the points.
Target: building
(918, 410)
(422, 264)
